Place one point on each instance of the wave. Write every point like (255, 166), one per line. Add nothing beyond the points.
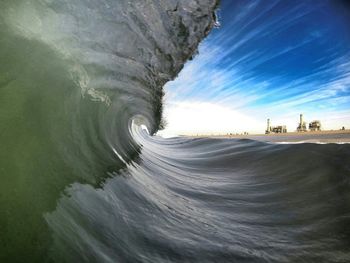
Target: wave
(73, 76)
(84, 180)
(212, 200)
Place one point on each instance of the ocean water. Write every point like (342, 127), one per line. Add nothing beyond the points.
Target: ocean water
(83, 180)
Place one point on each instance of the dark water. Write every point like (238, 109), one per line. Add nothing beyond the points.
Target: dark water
(211, 200)
(81, 180)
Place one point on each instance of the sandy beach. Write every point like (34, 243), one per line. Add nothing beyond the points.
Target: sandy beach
(332, 136)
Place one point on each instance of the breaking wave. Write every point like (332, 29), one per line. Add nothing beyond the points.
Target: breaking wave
(83, 180)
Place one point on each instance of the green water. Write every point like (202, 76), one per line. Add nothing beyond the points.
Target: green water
(33, 82)
(72, 77)
(39, 127)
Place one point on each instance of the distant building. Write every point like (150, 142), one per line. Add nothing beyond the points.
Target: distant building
(315, 126)
(275, 129)
(279, 129)
(302, 125)
(268, 129)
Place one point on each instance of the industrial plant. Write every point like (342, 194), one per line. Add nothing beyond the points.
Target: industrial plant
(275, 129)
(313, 126)
(302, 126)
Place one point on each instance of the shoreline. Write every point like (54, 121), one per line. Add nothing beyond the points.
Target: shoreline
(331, 136)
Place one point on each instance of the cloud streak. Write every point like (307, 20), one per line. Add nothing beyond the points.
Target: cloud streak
(281, 57)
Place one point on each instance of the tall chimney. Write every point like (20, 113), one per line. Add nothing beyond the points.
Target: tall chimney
(301, 120)
(268, 125)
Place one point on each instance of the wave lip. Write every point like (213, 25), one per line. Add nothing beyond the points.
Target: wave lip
(130, 47)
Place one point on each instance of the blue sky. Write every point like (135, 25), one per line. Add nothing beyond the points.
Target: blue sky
(269, 59)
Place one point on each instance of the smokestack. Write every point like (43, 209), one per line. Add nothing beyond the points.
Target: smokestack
(268, 125)
(301, 120)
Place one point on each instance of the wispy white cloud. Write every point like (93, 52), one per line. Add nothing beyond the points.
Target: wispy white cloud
(225, 71)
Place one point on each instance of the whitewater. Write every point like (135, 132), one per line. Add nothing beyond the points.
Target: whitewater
(84, 179)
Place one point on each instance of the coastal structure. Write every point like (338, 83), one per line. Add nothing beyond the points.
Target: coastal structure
(315, 125)
(275, 129)
(268, 129)
(279, 129)
(302, 124)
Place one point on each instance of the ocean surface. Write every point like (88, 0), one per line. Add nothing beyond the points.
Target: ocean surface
(323, 137)
(82, 179)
